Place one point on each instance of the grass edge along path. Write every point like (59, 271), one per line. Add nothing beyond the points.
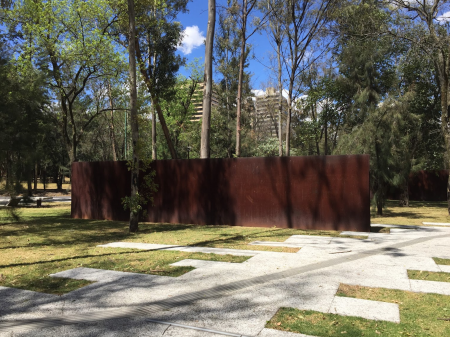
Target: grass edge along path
(428, 275)
(46, 240)
(421, 314)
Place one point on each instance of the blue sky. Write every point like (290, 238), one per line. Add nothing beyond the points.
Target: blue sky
(195, 23)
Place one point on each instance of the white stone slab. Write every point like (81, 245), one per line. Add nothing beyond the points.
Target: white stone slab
(176, 331)
(192, 249)
(200, 263)
(279, 333)
(444, 268)
(309, 239)
(97, 275)
(436, 223)
(374, 310)
(421, 286)
(403, 230)
(276, 244)
(355, 233)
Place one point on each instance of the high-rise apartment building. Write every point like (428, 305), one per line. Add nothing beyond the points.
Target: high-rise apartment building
(197, 102)
(265, 118)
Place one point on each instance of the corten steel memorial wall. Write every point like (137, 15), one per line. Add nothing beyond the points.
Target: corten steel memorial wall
(424, 186)
(317, 192)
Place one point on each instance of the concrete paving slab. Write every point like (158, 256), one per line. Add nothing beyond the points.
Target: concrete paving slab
(444, 268)
(121, 327)
(403, 230)
(200, 264)
(151, 246)
(93, 274)
(374, 310)
(279, 333)
(308, 239)
(436, 224)
(239, 297)
(174, 331)
(421, 286)
(276, 244)
(355, 233)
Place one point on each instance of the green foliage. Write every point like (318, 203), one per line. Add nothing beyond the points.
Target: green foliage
(267, 148)
(24, 120)
(70, 41)
(179, 111)
(139, 202)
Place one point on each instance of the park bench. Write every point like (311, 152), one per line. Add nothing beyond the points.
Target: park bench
(40, 199)
(14, 201)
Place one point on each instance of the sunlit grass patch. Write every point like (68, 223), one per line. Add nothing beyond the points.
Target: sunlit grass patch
(415, 214)
(233, 237)
(420, 315)
(445, 262)
(47, 241)
(429, 275)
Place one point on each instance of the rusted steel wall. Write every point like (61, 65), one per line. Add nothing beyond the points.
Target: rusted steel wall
(424, 186)
(317, 192)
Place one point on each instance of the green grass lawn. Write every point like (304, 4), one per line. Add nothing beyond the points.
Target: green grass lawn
(415, 214)
(46, 240)
(420, 315)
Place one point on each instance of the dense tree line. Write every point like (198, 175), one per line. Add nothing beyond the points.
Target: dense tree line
(360, 76)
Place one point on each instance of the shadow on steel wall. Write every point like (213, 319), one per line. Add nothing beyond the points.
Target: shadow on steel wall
(320, 192)
(424, 186)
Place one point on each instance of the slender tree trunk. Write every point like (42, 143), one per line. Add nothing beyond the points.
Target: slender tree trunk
(111, 124)
(73, 147)
(288, 121)
(154, 154)
(155, 100)
(44, 177)
(134, 216)
(240, 79)
(207, 90)
(326, 133)
(35, 176)
(29, 180)
(280, 101)
(162, 121)
(59, 179)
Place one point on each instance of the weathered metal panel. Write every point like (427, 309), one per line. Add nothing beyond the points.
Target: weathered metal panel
(316, 192)
(423, 186)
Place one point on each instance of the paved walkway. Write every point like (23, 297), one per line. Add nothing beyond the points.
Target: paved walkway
(234, 299)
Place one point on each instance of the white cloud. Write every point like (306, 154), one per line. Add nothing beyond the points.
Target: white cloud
(258, 92)
(192, 38)
(444, 17)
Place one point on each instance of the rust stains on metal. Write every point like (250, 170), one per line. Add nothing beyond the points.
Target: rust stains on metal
(316, 192)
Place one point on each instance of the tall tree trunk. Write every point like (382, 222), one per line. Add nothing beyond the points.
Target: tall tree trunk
(155, 100)
(326, 131)
(207, 89)
(154, 154)
(288, 121)
(240, 79)
(162, 121)
(44, 178)
(445, 116)
(280, 100)
(134, 216)
(73, 146)
(29, 180)
(111, 124)
(35, 176)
